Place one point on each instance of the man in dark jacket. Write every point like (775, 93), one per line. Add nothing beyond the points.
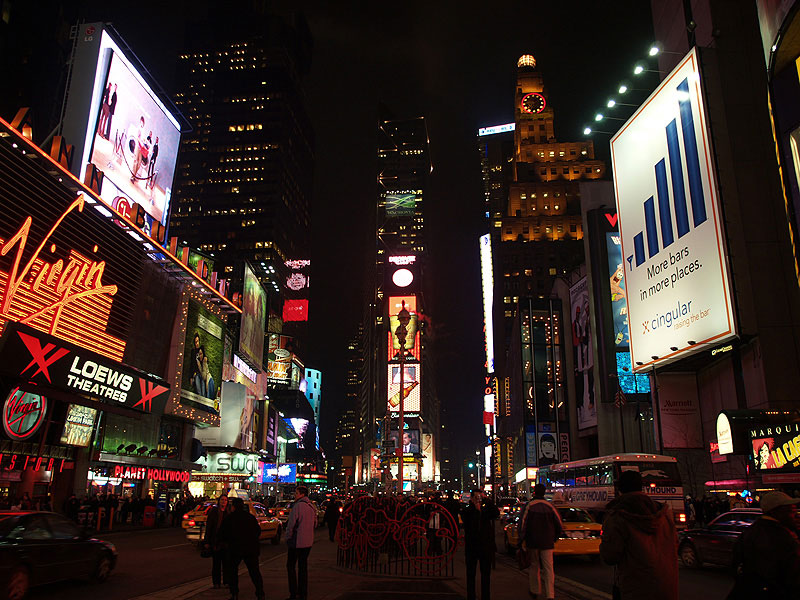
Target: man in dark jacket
(332, 512)
(541, 527)
(479, 544)
(768, 552)
(241, 534)
(639, 538)
(211, 541)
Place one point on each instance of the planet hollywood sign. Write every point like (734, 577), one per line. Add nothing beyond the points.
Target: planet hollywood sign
(156, 474)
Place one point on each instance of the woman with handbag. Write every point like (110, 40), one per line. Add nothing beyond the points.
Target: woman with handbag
(212, 545)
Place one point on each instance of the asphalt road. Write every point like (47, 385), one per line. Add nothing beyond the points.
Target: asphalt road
(709, 583)
(148, 561)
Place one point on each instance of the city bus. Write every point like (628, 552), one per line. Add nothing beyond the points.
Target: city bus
(590, 483)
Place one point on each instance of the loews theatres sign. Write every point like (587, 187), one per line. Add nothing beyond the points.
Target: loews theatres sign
(42, 359)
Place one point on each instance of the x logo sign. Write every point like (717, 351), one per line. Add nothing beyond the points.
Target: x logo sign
(646, 328)
(149, 392)
(39, 355)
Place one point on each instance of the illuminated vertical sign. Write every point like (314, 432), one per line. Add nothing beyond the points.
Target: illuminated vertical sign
(487, 280)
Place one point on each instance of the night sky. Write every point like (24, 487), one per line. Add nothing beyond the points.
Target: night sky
(455, 64)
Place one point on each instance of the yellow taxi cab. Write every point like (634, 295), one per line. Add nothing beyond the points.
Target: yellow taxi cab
(582, 532)
(194, 521)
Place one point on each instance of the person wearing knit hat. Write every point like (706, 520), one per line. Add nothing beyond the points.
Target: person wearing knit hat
(767, 555)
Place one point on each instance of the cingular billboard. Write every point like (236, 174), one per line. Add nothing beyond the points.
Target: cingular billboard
(673, 251)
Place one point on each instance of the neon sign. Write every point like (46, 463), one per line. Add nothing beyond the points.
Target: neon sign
(23, 414)
(402, 260)
(15, 462)
(68, 300)
(143, 473)
(496, 129)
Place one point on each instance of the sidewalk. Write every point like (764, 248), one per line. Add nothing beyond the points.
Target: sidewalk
(329, 582)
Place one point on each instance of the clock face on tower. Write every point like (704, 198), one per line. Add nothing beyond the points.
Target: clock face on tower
(533, 103)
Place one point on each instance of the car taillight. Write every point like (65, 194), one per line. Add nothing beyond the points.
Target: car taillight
(186, 516)
(682, 517)
(192, 523)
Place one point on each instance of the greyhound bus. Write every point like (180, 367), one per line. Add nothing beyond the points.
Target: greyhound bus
(591, 483)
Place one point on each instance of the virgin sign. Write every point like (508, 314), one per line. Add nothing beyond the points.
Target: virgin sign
(23, 414)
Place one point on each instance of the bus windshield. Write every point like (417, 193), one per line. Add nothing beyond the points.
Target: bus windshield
(659, 473)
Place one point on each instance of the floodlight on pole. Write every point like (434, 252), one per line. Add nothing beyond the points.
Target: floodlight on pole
(598, 117)
(623, 88)
(611, 103)
(638, 70)
(653, 50)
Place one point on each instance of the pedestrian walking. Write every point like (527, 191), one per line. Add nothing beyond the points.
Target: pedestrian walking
(332, 512)
(639, 539)
(241, 535)
(211, 540)
(479, 543)
(767, 554)
(300, 538)
(541, 528)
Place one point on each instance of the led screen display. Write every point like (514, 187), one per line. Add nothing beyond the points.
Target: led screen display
(135, 141)
(306, 435)
(278, 473)
(78, 426)
(295, 310)
(410, 441)
(394, 354)
(254, 314)
(411, 385)
(401, 204)
(202, 363)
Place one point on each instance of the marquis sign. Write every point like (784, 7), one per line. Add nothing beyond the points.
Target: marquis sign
(42, 359)
(65, 298)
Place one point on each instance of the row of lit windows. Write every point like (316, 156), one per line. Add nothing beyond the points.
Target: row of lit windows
(561, 153)
(565, 170)
(228, 159)
(246, 127)
(257, 98)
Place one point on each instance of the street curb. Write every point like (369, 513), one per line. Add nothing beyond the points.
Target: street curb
(189, 589)
(571, 587)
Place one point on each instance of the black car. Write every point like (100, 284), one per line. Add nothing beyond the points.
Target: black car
(713, 544)
(43, 547)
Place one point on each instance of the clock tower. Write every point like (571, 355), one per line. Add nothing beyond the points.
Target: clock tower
(533, 113)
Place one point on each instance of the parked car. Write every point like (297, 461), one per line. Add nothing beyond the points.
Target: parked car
(713, 544)
(582, 532)
(44, 547)
(194, 522)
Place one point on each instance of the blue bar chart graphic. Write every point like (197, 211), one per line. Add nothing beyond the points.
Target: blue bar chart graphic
(664, 223)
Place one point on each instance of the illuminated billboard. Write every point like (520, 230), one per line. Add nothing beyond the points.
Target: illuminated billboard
(411, 385)
(202, 363)
(279, 359)
(278, 473)
(295, 310)
(410, 442)
(305, 430)
(254, 314)
(674, 262)
(583, 354)
(118, 123)
(775, 447)
(496, 129)
(401, 204)
(487, 285)
(78, 426)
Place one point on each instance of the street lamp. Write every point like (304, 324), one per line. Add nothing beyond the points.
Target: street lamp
(404, 317)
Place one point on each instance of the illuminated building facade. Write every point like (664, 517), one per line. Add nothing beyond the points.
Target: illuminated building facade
(533, 210)
(243, 181)
(397, 280)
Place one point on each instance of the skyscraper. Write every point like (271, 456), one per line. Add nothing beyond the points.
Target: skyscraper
(536, 228)
(398, 281)
(243, 181)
